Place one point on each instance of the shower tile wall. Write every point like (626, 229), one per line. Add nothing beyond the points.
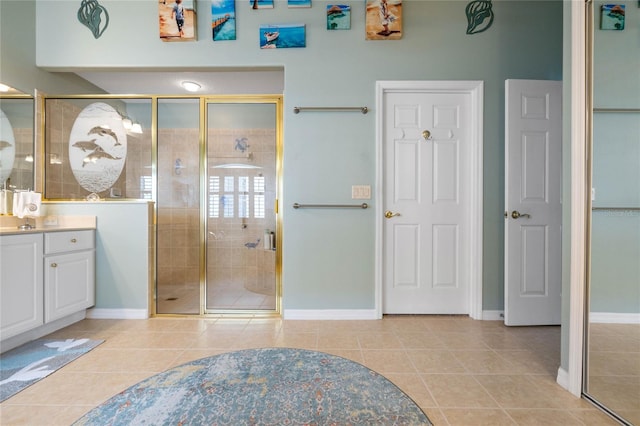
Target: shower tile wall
(179, 219)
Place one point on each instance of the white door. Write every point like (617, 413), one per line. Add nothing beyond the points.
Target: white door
(426, 199)
(533, 216)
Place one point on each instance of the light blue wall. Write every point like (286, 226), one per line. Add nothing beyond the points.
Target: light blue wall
(122, 250)
(328, 257)
(18, 50)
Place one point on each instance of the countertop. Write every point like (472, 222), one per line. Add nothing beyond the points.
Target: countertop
(9, 224)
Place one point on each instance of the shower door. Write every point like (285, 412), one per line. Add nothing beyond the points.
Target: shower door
(242, 229)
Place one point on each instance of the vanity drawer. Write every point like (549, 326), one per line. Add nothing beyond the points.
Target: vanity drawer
(57, 242)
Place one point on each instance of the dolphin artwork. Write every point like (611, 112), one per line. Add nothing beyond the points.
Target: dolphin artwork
(4, 144)
(101, 131)
(97, 154)
(86, 145)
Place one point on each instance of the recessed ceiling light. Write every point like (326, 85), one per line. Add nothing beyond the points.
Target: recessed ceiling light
(191, 86)
(4, 88)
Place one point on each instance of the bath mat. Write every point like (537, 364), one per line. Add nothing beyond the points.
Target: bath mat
(33, 361)
(269, 386)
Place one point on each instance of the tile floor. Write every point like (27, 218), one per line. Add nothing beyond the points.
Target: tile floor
(614, 368)
(460, 371)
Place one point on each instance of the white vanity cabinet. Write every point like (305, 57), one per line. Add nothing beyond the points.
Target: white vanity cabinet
(69, 273)
(21, 291)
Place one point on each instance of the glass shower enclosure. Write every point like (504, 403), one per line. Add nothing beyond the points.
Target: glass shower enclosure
(218, 174)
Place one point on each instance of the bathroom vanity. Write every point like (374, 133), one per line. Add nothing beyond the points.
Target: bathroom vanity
(47, 280)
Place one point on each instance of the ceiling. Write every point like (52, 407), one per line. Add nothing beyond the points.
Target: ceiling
(263, 81)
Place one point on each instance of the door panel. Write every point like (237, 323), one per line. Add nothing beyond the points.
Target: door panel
(426, 175)
(533, 159)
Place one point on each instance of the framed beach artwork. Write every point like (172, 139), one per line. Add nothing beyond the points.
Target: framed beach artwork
(338, 17)
(223, 19)
(612, 17)
(383, 20)
(261, 4)
(177, 20)
(282, 36)
(298, 3)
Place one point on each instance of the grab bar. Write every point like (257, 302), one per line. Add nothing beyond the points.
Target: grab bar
(363, 110)
(615, 208)
(329, 206)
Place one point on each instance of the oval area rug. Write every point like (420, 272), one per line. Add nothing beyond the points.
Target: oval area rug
(269, 386)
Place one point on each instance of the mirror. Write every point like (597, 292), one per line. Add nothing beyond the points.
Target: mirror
(612, 367)
(16, 141)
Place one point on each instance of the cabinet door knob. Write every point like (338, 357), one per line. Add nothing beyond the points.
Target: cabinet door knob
(54, 265)
(73, 240)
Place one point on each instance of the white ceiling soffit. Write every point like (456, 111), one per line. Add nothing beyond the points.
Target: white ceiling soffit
(168, 82)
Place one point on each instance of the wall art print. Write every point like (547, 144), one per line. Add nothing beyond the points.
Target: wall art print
(223, 19)
(293, 4)
(383, 20)
(338, 17)
(612, 17)
(7, 148)
(282, 36)
(261, 4)
(479, 16)
(97, 147)
(177, 20)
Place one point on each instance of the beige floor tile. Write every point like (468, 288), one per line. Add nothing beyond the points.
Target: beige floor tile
(121, 360)
(388, 361)
(547, 417)
(530, 362)
(351, 354)
(462, 341)
(477, 417)
(484, 362)
(289, 339)
(458, 391)
(435, 361)
(194, 354)
(435, 415)
(145, 340)
(76, 388)
(379, 341)
(516, 392)
(39, 415)
(338, 340)
(413, 386)
(593, 417)
(420, 340)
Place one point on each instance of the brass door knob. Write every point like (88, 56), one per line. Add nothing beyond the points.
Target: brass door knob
(516, 214)
(389, 214)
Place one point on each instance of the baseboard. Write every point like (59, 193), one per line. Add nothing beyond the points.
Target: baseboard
(493, 315)
(614, 318)
(563, 378)
(330, 314)
(101, 313)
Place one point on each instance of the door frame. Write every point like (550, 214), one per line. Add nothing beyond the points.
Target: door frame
(474, 88)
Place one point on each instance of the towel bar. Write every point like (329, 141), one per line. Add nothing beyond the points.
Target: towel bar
(336, 206)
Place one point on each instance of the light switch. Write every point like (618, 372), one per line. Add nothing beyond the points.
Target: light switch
(361, 192)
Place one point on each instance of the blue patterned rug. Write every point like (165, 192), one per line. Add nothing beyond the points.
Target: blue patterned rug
(271, 386)
(33, 361)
